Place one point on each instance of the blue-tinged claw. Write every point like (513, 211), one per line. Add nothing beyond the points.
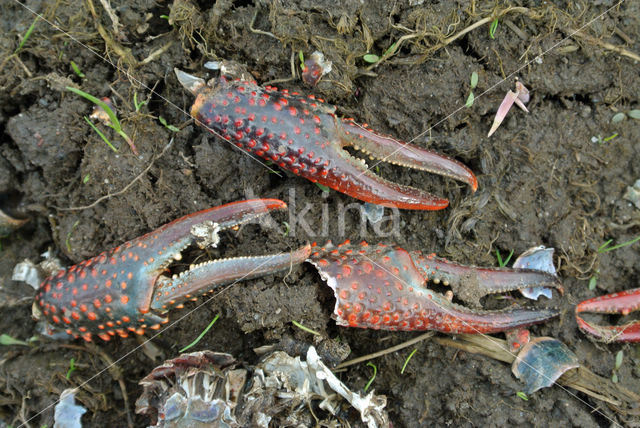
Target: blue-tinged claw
(542, 361)
(130, 287)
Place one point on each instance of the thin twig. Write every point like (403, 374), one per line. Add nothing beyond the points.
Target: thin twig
(127, 187)
(255, 30)
(115, 23)
(156, 54)
(608, 46)
(386, 351)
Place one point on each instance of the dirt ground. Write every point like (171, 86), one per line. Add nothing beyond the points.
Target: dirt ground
(552, 177)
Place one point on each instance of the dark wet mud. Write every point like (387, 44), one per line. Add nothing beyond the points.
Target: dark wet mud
(555, 177)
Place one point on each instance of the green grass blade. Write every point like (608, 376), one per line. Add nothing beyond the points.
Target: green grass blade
(115, 123)
(27, 35)
(606, 248)
(375, 372)
(99, 132)
(404, 366)
(192, 344)
(307, 329)
(493, 28)
(502, 263)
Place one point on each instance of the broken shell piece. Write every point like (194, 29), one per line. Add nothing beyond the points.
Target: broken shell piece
(67, 413)
(207, 234)
(633, 194)
(303, 380)
(33, 274)
(314, 68)
(213, 65)
(542, 361)
(191, 83)
(8, 224)
(204, 389)
(27, 272)
(191, 390)
(538, 258)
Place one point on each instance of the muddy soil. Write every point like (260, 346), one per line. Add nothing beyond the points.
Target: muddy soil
(553, 177)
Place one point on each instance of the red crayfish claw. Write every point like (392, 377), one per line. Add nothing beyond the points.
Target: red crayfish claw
(131, 287)
(385, 287)
(622, 303)
(303, 135)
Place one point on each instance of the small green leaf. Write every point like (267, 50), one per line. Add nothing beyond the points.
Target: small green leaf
(164, 17)
(166, 125)
(522, 395)
(593, 281)
(634, 114)
(371, 58)
(301, 56)
(86, 178)
(72, 368)
(609, 138)
(474, 80)
(76, 70)
(618, 117)
(322, 187)
(136, 104)
(614, 378)
(7, 340)
(470, 100)
(619, 357)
